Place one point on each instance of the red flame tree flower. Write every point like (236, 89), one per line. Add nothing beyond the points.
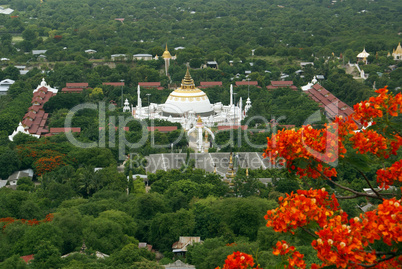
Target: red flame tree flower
(338, 240)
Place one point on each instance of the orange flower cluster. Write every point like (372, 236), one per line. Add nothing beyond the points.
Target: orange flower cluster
(300, 209)
(370, 141)
(367, 111)
(49, 217)
(344, 244)
(295, 258)
(239, 260)
(305, 144)
(341, 242)
(387, 177)
(47, 164)
(385, 223)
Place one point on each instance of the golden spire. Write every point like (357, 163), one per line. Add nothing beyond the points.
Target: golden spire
(231, 172)
(187, 82)
(166, 53)
(398, 49)
(199, 120)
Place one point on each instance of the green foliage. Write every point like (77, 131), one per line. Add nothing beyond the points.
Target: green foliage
(28, 243)
(25, 184)
(13, 262)
(59, 101)
(106, 235)
(9, 163)
(46, 256)
(167, 228)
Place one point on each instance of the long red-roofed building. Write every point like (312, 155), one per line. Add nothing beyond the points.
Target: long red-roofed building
(162, 129)
(34, 121)
(230, 127)
(75, 87)
(246, 83)
(54, 131)
(156, 85)
(332, 105)
(208, 84)
(281, 84)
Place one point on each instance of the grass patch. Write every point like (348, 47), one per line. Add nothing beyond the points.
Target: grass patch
(17, 38)
(271, 58)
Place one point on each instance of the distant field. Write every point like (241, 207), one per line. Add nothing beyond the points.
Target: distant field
(17, 38)
(267, 58)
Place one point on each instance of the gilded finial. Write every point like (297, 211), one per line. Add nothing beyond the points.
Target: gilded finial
(187, 82)
(166, 54)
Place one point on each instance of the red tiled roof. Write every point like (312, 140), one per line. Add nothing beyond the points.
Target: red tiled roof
(229, 127)
(42, 89)
(281, 84)
(333, 106)
(33, 129)
(125, 128)
(42, 131)
(35, 108)
(47, 97)
(27, 122)
(149, 84)
(27, 258)
(64, 130)
(205, 84)
(77, 85)
(37, 98)
(162, 128)
(39, 94)
(72, 89)
(286, 83)
(37, 121)
(113, 83)
(30, 115)
(241, 83)
(42, 123)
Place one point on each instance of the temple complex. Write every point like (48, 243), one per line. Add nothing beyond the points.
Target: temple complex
(187, 104)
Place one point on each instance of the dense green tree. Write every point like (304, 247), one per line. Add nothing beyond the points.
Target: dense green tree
(9, 163)
(46, 256)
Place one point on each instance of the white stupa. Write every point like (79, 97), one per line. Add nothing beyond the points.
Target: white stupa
(187, 103)
(187, 98)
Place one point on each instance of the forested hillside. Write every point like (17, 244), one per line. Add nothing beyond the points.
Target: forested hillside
(87, 200)
(218, 27)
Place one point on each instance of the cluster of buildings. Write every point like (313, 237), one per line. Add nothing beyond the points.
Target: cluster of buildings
(190, 106)
(34, 120)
